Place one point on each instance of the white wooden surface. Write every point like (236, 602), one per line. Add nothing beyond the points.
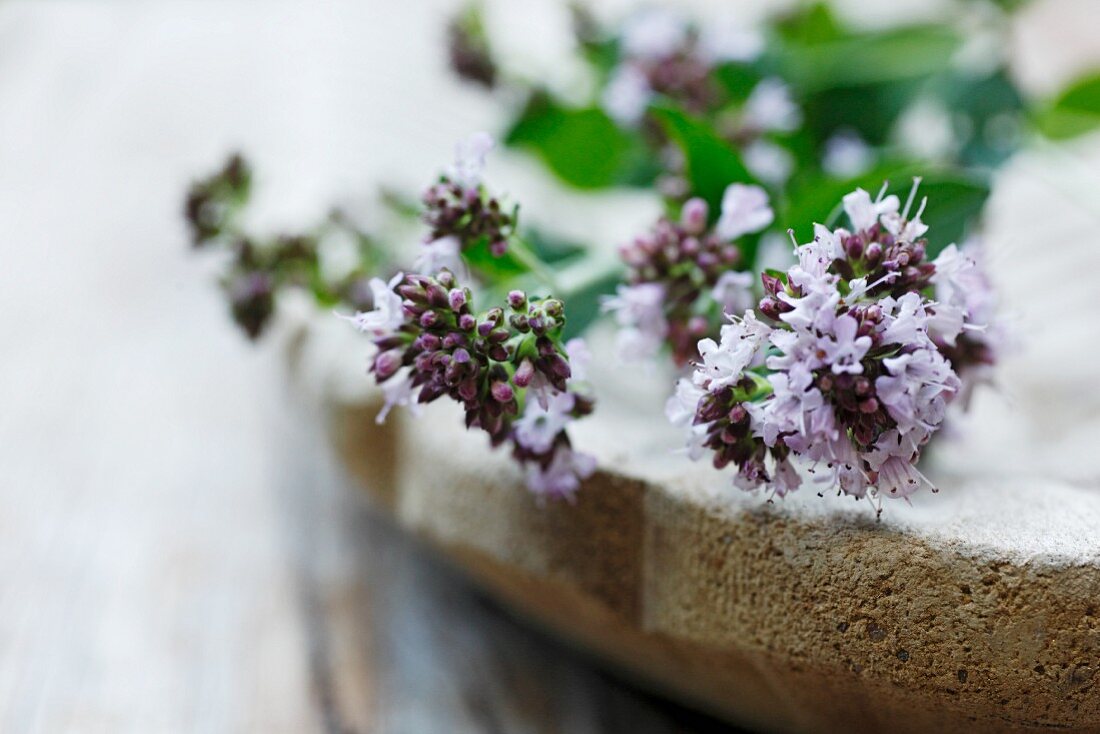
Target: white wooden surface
(174, 554)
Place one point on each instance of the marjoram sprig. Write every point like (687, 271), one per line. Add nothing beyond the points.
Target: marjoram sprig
(847, 369)
(507, 366)
(681, 276)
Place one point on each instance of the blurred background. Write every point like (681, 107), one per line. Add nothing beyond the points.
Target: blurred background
(176, 547)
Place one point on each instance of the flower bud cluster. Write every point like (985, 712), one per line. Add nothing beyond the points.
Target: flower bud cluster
(682, 276)
(506, 366)
(213, 202)
(845, 370)
(468, 49)
(664, 54)
(461, 214)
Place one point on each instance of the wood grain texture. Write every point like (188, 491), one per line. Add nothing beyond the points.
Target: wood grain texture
(174, 556)
(400, 642)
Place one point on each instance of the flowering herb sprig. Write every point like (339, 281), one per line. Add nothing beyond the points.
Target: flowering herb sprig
(261, 266)
(845, 369)
(507, 366)
(682, 276)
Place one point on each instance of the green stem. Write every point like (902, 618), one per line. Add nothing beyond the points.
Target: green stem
(588, 271)
(522, 252)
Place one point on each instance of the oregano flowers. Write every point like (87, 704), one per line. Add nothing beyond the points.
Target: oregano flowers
(843, 366)
(507, 366)
(848, 366)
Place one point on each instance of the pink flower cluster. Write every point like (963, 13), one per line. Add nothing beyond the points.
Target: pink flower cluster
(506, 366)
(681, 276)
(845, 369)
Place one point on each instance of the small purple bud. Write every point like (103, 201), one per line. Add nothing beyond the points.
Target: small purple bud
(854, 246)
(454, 339)
(498, 248)
(458, 299)
(430, 392)
(461, 356)
(413, 293)
(545, 346)
(499, 336)
(519, 323)
(870, 405)
(453, 373)
(499, 353)
(446, 279)
(429, 319)
(485, 328)
(429, 342)
(553, 307)
(863, 386)
(524, 373)
(386, 364)
(391, 341)
(517, 300)
(437, 295)
(502, 392)
(738, 414)
(693, 217)
(537, 324)
(467, 389)
(874, 253)
(557, 366)
(466, 322)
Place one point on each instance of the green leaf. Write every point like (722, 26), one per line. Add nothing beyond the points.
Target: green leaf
(711, 163)
(480, 259)
(549, 248)
(810, 25)
(582, 306)
(582, 146)
(871, 110)
(737, 80)
(990, 111)
(867, 58)
(1075, 111)
(955, 202)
